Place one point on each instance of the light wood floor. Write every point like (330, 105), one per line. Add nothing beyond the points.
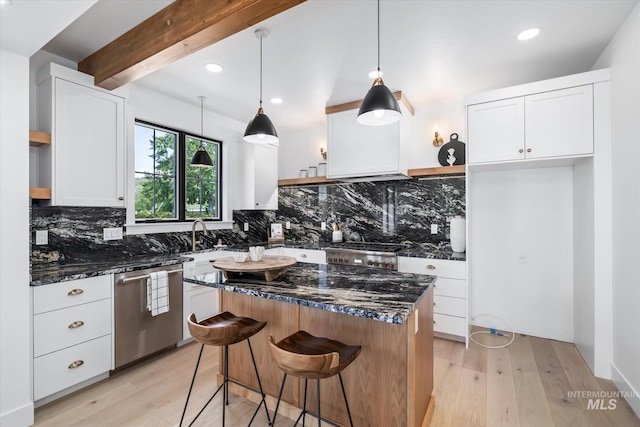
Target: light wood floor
(525, 384)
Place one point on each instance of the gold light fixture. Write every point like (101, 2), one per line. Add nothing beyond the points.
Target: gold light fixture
(437, 141)
(323, 152)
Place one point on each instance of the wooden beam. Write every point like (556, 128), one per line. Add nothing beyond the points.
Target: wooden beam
(183, 27)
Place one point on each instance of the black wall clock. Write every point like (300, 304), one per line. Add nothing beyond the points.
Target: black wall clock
(452, 153)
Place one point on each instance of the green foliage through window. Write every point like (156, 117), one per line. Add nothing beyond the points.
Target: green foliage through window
(168, 189)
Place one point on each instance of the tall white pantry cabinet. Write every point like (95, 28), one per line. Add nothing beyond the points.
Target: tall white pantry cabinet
(539, 211)
(85, 164)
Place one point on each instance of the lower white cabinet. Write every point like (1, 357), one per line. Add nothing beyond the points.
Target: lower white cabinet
(306, 255)
(449, 294)
(72, 333)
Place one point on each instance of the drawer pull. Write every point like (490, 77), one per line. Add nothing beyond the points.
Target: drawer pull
(76, 324)
(76, 364)
(528, 150)
(521, 151)
(73, 292)
(303, 255)
(431, 267)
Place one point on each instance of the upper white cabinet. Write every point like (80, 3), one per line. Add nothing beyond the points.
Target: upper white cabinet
(556, 123)
(355, 150)
(260, 190)
(84, 166)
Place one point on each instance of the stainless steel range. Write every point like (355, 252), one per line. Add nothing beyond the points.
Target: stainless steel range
(364, 254)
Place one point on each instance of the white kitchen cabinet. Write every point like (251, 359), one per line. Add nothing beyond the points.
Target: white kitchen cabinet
(72, 333)
(260, 175)
(84, 165)
(449, 293)
(306, 255)
(203, 301)
(551, 124)
(356, 150)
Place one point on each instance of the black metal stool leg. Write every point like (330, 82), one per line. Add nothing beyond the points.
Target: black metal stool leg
(184, 411)
(279, 397)
(304, 404)
(345, 399)
(318, 397)
(264, 396)
(225, 382)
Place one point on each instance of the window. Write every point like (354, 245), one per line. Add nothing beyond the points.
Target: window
(167, 187)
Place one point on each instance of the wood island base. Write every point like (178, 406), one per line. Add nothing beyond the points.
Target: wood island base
(389, 384)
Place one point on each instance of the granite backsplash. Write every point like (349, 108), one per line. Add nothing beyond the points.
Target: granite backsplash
(385, 211)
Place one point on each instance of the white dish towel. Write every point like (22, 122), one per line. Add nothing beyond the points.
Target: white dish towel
(158, 293)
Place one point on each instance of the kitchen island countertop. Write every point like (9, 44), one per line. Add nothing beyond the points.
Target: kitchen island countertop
(383, 295)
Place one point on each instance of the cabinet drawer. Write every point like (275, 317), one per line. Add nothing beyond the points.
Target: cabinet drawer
(450, 287)
(58, 329)
(449, 324)
(54, 372)
(437, 267)
(449, 305)
(305, 255)
(73, 292)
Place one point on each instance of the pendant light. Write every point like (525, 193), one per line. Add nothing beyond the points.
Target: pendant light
(379, 107)
(260, 130)
(201, 158)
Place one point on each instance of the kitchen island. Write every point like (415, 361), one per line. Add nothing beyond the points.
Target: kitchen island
(388, 313)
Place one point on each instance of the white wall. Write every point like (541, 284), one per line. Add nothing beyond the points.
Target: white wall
(521, 239)
(154, 107)
(16, 406)
(623, 57)
(300, 149)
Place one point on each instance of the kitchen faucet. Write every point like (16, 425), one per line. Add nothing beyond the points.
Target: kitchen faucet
(193, 233)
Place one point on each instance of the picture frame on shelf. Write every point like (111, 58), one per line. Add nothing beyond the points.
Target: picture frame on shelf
(276, 233)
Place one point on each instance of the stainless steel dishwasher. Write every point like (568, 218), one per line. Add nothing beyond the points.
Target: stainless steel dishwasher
(137, 332)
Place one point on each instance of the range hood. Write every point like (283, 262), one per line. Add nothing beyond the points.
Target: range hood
(358, 153)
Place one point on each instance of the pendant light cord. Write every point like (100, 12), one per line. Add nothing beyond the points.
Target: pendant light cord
(201, 117)
(261, 37)
(378, 38)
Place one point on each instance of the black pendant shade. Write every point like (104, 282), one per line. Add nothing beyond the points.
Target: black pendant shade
(201, 159)
(379, 107)
(260, 130)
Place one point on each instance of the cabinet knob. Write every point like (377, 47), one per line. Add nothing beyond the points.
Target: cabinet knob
(76, 364)
(303, 255)
(521, 150)
(431, 267)
(528, 150)
(257, 204)
(76, 324)
(73, 292)
(120, 198)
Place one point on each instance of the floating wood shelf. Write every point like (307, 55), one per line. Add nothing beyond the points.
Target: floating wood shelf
(300, 181)
(38, 139)
(443, 170)
(40, 193)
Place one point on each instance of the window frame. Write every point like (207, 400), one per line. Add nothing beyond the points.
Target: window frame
(181, 176)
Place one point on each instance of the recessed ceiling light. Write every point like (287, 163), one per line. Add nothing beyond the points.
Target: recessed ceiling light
(214, 68)
(375, 74)
(276, 100)
(528, 33)
(6, 2)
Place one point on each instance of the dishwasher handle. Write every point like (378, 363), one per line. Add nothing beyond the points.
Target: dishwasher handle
(145, 276)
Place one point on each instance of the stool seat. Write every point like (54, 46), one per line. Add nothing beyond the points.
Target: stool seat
(304, 355)
(223, 329)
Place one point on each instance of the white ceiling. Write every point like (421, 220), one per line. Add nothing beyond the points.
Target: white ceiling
(319, 53)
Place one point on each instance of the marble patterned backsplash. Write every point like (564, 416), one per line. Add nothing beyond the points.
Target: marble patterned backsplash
(386, 211)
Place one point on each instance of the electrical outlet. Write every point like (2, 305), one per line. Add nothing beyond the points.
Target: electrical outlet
(114, 233)
(246, 226)
(434, 228)
(323, 226)
(287, 225)
(42, 237)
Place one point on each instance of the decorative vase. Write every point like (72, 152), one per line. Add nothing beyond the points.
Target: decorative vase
(458, 234)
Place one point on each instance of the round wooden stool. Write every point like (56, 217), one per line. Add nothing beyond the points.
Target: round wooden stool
(305, 356)
(222, 330)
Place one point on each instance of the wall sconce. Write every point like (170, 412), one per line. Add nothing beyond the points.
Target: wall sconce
(437, 141)
(323, 152)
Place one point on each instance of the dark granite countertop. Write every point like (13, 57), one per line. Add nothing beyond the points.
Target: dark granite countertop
(383, 295)
(44, 274)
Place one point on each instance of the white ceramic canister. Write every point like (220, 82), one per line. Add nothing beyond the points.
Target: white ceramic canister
(322, 169)
(458, 234)
(336, 236)
(303, 173)
(313, 172)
